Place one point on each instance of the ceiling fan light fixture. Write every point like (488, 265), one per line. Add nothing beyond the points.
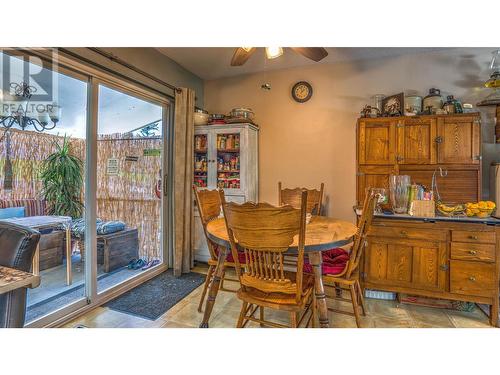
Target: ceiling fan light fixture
(274, 52)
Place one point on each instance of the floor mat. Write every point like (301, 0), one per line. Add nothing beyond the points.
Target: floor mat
(156, 296)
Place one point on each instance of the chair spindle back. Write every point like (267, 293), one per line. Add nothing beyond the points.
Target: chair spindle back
(264, 233)
(292, 197)
(209, 207)
(360, 237)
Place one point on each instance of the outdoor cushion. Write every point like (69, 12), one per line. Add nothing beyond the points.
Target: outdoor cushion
(108, 227)
(78, 227)
(102, 227)
(7, 213)
(33, 207)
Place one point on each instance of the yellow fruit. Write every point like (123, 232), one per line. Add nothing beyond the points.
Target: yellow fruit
(482, 205)
(469, 213)
(490, 204)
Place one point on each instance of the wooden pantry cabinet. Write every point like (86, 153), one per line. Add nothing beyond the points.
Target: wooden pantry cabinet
(226, 156)
(417, 146)
(457, 259)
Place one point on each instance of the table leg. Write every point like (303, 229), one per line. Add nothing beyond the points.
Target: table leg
(319, 290)
(36, 261)
(214, 287)
(69, 272)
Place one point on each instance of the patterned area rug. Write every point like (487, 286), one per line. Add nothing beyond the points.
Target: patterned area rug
(156, 296)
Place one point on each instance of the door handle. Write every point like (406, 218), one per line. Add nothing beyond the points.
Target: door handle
(164, 187)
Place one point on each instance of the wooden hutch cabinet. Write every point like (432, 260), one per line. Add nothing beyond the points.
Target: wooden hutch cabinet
(458, 259)
(417, 146)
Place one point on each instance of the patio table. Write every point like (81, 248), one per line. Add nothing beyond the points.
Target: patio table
(48, 222)
(322, 233)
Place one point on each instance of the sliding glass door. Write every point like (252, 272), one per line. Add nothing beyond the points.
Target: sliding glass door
(42, 164)
(114, 233)
(130, 144)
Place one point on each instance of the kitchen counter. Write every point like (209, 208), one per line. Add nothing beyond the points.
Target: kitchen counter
(455, 219)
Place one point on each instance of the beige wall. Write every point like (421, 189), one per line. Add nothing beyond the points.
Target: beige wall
(306, 144)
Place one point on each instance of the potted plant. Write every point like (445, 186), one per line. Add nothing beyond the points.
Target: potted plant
(62, 178)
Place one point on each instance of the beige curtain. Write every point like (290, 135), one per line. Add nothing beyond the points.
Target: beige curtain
(183, 180)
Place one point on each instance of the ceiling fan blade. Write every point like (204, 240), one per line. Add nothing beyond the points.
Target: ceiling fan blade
(241, 56)
(313, 53)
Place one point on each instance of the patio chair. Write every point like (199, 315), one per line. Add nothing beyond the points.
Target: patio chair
(17, 251)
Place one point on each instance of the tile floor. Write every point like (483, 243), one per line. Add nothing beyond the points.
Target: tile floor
(384, 314)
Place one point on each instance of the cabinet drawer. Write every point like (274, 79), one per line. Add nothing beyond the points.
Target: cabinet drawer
(472, 251)
(473, 236)
(408, 233)
(472, 278)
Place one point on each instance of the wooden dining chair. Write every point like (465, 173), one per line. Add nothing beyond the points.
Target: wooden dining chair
(209, 207)
(263, 233)
(292, 197)
(341, 270)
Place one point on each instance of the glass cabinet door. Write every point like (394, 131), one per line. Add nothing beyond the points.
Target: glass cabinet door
(228, 160)
(201, 160)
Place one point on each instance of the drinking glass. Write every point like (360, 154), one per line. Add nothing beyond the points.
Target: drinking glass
(399, 186)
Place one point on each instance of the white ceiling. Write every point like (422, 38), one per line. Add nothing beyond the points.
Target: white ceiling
(214, 62)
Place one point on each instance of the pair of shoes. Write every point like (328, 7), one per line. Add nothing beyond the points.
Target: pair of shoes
(135, 264)
(151, 263)
(131, 263)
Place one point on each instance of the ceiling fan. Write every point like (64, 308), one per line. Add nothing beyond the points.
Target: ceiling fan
(242, 54)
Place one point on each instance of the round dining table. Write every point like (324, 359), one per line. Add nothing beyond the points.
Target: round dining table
(322, 233)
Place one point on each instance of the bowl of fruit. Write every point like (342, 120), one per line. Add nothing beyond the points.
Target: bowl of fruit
(480, 209)
(450, 209)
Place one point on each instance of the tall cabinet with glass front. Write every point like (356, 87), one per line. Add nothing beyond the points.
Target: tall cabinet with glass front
(225, 157)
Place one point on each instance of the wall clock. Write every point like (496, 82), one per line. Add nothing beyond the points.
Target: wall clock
(302, 91)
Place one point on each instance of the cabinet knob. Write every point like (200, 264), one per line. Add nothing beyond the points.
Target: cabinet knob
(472, 252)
(438, 139)
(404, 233)
(473, 237)
(472, 278)
(444, 267)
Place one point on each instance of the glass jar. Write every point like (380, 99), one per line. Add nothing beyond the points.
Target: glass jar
(433, 101)
(377, 101)
(452, 105)
(381, 199)
(399, 187)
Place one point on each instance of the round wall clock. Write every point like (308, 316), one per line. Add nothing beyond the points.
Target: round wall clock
(302, 91)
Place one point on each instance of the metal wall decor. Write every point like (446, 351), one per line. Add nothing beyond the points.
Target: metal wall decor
(393, 105)
(17, 112)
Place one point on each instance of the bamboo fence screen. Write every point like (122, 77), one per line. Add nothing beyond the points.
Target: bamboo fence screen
(126, 193)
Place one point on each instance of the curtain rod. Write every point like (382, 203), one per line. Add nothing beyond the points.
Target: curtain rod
(111, 71)
(132, 67)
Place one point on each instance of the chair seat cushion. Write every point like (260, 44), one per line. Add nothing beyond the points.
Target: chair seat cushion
(256, 296)
(334, 262)
(230, 259)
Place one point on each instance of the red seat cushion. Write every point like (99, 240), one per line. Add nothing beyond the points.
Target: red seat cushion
(334, 262)
(229, 258)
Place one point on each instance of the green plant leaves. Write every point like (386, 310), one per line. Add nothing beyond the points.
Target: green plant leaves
(62, 178)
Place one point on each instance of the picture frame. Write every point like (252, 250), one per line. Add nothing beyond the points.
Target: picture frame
(393, 105)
